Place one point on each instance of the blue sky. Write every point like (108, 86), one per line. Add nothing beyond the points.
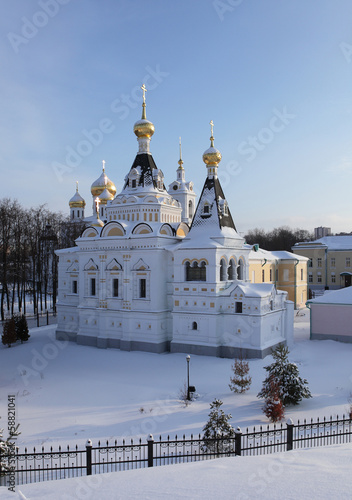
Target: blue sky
(274, 76)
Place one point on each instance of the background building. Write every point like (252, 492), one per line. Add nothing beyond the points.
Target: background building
(285, 270)
(331, 316)
(320, 232)
(330, 262)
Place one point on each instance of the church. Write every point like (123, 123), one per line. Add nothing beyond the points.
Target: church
(155, 271)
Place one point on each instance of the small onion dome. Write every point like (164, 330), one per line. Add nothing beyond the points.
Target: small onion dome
(77, 201)
(144, 128)
(105, 196)
(212, 156)
(102, 183)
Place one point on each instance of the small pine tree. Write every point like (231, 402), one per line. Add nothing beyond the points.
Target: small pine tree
(241, 381)
(218, 430)
(21, 327)
(9, 332)
(273, 407)
(292, 388)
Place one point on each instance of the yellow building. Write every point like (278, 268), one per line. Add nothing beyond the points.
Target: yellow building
(285, 270)
(330, 262)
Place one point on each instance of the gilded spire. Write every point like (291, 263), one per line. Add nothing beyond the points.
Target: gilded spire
(103, 162)
(143, 128)
(180, 161)
(144, 116)
(212, 156)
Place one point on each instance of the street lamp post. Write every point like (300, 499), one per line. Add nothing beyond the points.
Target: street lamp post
(188, 357)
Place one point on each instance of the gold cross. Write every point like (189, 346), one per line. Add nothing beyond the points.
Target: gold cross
(144, 91)
(103, 165)
(212, 127)
(97, 203)
(77, 186)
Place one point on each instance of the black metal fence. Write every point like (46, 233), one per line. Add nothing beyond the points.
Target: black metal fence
(47, 465)
(41, 318)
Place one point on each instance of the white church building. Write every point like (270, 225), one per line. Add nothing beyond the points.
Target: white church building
(162, 273)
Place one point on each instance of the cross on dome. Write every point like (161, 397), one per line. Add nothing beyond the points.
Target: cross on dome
(212, 127)
(103, 162)
(180, 161)
(143, 87)
(97, 203)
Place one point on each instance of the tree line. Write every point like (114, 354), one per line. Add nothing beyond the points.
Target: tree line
(28, 264)
(280, 238)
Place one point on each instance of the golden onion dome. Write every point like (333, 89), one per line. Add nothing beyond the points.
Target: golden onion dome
(105, 196)
(212, 156)
(77, 201)
(103, 182)
(143, 127)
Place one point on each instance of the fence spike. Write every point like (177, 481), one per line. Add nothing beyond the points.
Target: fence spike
(115, 442)
(107, 442)
(68, 447)
(123, 442)
(34, 449)
(131, 441)
(42, 448)
(59, 447)
(51, 448)
(76, 447)
(176, 437)
(99, 443)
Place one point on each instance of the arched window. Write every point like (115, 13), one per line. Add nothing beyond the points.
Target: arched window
(240, 269)
(203, 272)
(194, 325)
(190, 209)
(222, 270)
(196, 272)
(231, 272)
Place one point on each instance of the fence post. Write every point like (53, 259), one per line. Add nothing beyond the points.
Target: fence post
(238, 441)
(150, 450)
(89, 457)
(37, 317)
(290, 427)
(47, 317)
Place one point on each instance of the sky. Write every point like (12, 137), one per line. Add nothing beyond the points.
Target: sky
(275, 77)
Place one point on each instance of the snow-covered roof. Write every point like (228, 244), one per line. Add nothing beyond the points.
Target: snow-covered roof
(342, 296)
(331, 242)
(252, 289)
(275, 255)
(215, 216)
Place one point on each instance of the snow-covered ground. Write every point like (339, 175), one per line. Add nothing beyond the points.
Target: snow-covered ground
(321, 473)
(66, 394)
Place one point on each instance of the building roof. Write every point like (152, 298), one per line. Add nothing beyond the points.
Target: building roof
(213, 195)
(262, 254)
(329, 242)
(147, 164)
(342, 296)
